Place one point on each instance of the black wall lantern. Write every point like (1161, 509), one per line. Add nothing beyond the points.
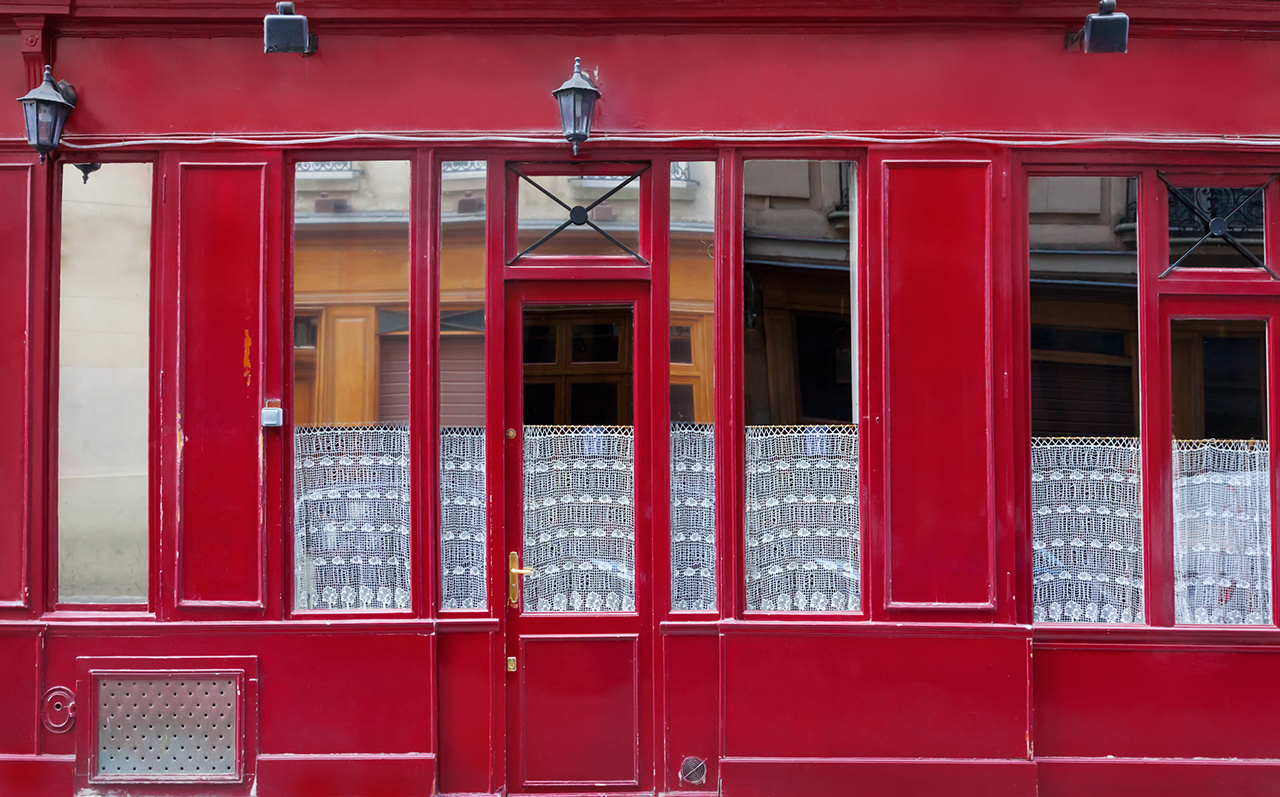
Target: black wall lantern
(45, 110)
(577, 98)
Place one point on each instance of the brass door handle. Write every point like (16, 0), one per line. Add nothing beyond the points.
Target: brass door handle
(513, 578)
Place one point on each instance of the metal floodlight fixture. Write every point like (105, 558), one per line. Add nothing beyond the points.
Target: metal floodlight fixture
(577, 99)
(45, 110)
(286, 32)
(1106, 31)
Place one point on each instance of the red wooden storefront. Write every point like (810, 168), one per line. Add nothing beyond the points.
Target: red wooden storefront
(827, 425)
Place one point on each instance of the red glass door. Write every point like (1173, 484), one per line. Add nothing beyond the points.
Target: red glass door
(578, 483)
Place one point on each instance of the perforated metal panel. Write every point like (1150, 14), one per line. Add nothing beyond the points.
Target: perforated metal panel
(158, 728)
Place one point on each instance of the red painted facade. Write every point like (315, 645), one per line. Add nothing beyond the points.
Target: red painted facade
(938, 683)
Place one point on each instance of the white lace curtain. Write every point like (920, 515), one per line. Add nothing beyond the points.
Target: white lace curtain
(463, 541)
(802, 524)
(693, 517)
(1222, 531)
(1086, 510)
(1087, 538)
(351, 518)
(579, 518)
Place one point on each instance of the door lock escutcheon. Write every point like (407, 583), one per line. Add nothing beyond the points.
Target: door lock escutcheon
(514, 572)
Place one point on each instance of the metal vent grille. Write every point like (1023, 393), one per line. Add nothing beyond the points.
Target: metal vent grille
(166, 728)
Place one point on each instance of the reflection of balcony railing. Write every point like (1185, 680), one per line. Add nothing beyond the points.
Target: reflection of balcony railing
(1246, 222)
(326, 170)
(680, 171)
(462, 168)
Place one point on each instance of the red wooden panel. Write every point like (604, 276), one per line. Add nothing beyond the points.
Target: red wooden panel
(580, 704)
(1108, 778)
(871, 778)
(692, 698)
(936, 234)
(20, 695)
(836, 696)
(942, 81)
(345, 775)
(15, 230)
(1157, 703)
(467, 665)
(37, 776)
(220, 548)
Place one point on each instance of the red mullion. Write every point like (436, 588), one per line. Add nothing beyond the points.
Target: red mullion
(577, 267)
(497, 222)
(424, 369)
(1273, 423)
(40, 571)
(275, 461)
(1155, 424)
(728, 375)
(872, 441)
(1019, 390)
(1007, 545)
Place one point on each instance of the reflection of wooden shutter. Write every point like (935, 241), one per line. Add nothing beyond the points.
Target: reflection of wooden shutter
(462, 380)
(393, 379)
(1081, 399)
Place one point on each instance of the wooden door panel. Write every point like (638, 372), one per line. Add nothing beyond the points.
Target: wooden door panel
(580, 703)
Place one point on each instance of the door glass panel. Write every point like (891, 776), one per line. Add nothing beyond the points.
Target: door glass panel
(104, 375)
(579, 463)
(351, 386)
(1216, 227)
(567, 215)
(1221, 473)
(463, 548)
(1086, 474)
(692, 346)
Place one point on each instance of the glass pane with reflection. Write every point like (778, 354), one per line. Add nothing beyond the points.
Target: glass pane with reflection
(580, 214)
(803, 549)
(1216, 227)
(692, 386)
(104, 374)
(351, 386)
(1221, 473)
(463, 536)
(1086, 478)
(579, 469)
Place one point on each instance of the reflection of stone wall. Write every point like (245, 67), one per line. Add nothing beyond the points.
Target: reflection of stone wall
(103, 390)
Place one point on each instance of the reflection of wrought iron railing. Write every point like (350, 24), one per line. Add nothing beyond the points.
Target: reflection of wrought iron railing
(1247, 221)
(680, 171)
(463, 167)
(321, 168)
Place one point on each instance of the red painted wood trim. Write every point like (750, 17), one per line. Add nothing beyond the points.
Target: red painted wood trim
(384, 775)
(818, 777)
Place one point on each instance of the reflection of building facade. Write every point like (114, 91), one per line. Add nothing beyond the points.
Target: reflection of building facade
(824, 425)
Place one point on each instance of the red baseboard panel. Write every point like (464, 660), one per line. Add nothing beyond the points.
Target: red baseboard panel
(1069, 777)
(37, 775)
(876, 777)
(405, 775)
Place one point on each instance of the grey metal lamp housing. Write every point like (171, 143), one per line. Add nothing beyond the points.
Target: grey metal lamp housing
(577, 99)
(45, 110)
(1106, 31)
(286, 32)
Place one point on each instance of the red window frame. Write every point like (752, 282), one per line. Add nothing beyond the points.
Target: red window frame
(1184, 293)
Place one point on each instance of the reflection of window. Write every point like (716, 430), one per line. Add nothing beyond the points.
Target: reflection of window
(577, 367)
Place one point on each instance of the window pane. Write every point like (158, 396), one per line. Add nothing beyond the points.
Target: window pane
(802, 515)
(1216, 227)
(104, 375)
(609, 220)
(1086, 480)
(1221, 473)
(463, 536)
(351, 387)
(692, 345)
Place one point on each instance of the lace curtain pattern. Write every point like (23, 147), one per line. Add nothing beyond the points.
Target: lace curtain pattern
(579, 518)
(462, 518)
(1086, 508)
(1222, 531)
(351, 518)
(802, 524)
(693, 517)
